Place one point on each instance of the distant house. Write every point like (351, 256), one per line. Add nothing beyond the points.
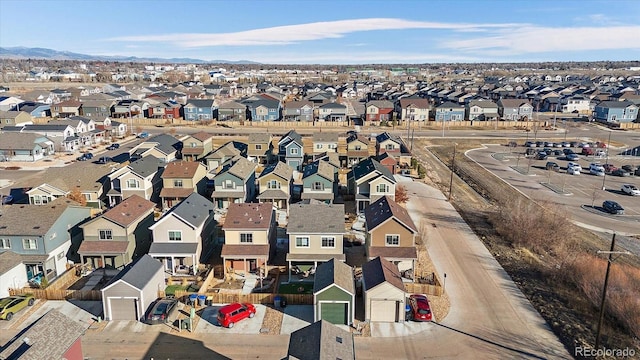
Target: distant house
(515, 109)
(249, 238)
(357, 149)
(35, 109)
(200, 109)
(180, 179)
(379, 110)
(449, 111)
(163, 146)
(368, 181)
(234, 183)
(413, 109)
(383, 290)
(180, 235)
(615, 111)
(259, 147)
(576, 104)
(275, 185)
(66, 109)
(321, 340)
(142, 177)
(232, 111)
(332, 112)
(223, 154)
(325, 142)
(298, 111)
(484, 110)
(97, 108)
(15, 118)
(164, 110)
(196, 146)
(387, 143)
(319, 182)
(45, 245)
(119, 235)
(52, 336)
(25, 147)
(264, 109)
(291, 149)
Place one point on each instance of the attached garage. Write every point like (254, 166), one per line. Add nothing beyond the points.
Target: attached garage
(334, 293)
(128, 295)
(384, 292)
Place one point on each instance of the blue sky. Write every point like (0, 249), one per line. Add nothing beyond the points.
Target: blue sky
(331, 32)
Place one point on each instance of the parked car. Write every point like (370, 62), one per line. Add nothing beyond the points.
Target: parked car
(82, 158)
(539, 143)
(587, 151)
(541, 155)
(557, 153)
(619, 172)
(6, 199)
(596, 169)
(530, 144)
(552, 166)
(574, 144)
(512, 144)
(567, 151)
(583, 145)
(574, 165)
(113, 146)
(548, 144)
(628, 168)
(613, 207)
(420, 308)
(143, 135)
(104, 160)
(88, 155)
(566, 144)
(230, 314)
(572, 157)
(630, 189)
(160, 311)
(609, 168)
(13, 304)
(573, 170)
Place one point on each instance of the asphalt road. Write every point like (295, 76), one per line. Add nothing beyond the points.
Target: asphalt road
(489, 317)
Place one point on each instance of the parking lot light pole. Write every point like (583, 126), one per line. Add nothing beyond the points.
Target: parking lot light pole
(453, 166)
(607, 160)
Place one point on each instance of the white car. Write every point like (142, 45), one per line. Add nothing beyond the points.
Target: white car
(573, 170)
(630, 189)
(574, 165)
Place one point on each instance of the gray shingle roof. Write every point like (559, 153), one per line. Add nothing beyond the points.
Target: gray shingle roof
(139, 272)
(316, 219)
(383, 209)
(195, 209)
(165, 143)
(19, 219)
(334, 272)
(20, 141)
(241, 168)
(259, 138)
(173, 248)
(321, 340)
(325, 137)
(145, 166)
(200, 103)
(367, 166)
(9, 260)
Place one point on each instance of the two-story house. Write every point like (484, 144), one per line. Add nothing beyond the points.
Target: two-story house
(615, 111)
(180, 179)
(319, 182)
(325, 142)
(315, 236)
(200, 109)
(249, 238)
(232, 111)
(386, 143)
(275, 185)
(234, 183)
(578, 104)
(391, 234)
(264, 109)
(182, 233)
(260, 147)
(196, 146)
(14, 118)
(291, 149)
(357, 149)
(119, 235)
(66, 109)
(413, 109)
(163, 146)
(142, 177)
(97, 108)
(449, 111)
(515, 109)
(332, 112)
(298, 111)
(368, 181)
(481, 110)
(379, 110)
(43, 236)
(34, 109)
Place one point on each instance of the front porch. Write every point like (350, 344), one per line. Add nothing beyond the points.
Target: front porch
(101, 253)
(222, 199)
(245, 259)
(179, 259)
(172, 196)
(279, 198)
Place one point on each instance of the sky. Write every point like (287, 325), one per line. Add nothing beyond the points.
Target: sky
(331, 32)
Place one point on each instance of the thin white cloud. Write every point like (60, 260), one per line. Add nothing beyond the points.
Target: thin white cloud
(356, 58)
(289, 34)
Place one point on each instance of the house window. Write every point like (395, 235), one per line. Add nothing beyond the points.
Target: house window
(52, 236)
(228, 184)
(273, 184)
(175, 235)
(382, 188)
(193, 144)
(294, 151)
(5, 244)
(60, 256)
(29, 244)
(133, 184)
(37, 200)
(258, 146)
(246, 238)
(328, 242)
(318, 186)
(333, 146)
(318, 146)
(177, 183)
(392, 240)
(358, 148)
(105, 234)
(389, 147)
(302, 241)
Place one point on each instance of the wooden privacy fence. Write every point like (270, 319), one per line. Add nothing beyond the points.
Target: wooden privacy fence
(59, 294)
(254, 298)
(427, 289)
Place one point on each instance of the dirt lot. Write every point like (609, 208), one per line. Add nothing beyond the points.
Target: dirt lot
(475, 195)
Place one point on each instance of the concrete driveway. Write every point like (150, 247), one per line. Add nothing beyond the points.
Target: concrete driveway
(209, 323)
(84, 312)
(296, 317)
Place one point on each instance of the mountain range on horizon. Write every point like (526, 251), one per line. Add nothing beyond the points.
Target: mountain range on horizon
(50, 54)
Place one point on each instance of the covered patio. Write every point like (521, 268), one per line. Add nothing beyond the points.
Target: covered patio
(178, 259)
(244, 259)
(278, 197)
(307, 263)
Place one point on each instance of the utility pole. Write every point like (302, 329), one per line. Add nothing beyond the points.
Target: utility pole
(607, 160)
(611, 252)
(453, 166)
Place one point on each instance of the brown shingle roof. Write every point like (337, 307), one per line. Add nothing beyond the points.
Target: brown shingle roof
(202, 136)
(417, 102)
(248, 216)
(175, 192)
(181, 170)
(130, 210)
(389, 252)
(103, 247)
(244, 250)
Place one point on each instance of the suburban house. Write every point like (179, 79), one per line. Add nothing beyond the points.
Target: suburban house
(180, 179)
(224, 153)
(515, 109)
(25, 147)
(12, 271)
(234, 183)
(383, 290)
(232, 111)
(334, 293)
(8, 102)
(164, 110)
(275, 185)
(200, 109)
(196, 146)
(164, 147)
(128, 295)
(482, 110)
(413, 109)
(182, 233)
(615, 111)
(62, 135)
(321, 340)
(332, 112)
(368, 181)
(357, 149)
(319, 182)
(325, 142)
(118, 236)
(386, 143)
(53, 336)
(84, 129)
(142, 177)
(14, 118)
(315, 236)
(449, 111)
(391, 234)
(259, 147)
(298, 111)
(264, 109)
(576, 104)
(45, 245)
(379, 110)
(97, 108)
(249, 238)
(35, 109)
(66, 109)
(291, 149)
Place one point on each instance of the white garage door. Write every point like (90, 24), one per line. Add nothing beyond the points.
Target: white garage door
(123, 309)
(383, 310)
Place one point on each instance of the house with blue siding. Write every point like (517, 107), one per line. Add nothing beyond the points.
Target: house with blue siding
(35, 109)
(264, 109)
(615, 111)
(25, 147)
(48, 244)
(234, 183)
(450, 111)
(318, 182)
(291, 149)
(200, 109)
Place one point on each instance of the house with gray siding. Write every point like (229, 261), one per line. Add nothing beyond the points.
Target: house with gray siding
(368, 181)
(232, 111)
(298, 111)
(200, 109)
(291, 149)
(319, 181)
(142, 177)
(14, 118)
(515, 109)
(234, 183)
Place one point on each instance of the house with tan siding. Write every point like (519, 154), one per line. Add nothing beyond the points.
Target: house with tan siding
(180, 179)
(275, 185)
(196, 146)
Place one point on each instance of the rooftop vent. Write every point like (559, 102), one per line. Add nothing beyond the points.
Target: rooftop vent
(339, 339)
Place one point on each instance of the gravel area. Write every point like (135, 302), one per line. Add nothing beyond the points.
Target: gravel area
(272, 321)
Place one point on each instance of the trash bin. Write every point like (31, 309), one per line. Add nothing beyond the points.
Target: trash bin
(283, 302)
(209, 300)
(186, 323)
(202, 299)
(192, 299)
(407, 313)
(276, 301)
